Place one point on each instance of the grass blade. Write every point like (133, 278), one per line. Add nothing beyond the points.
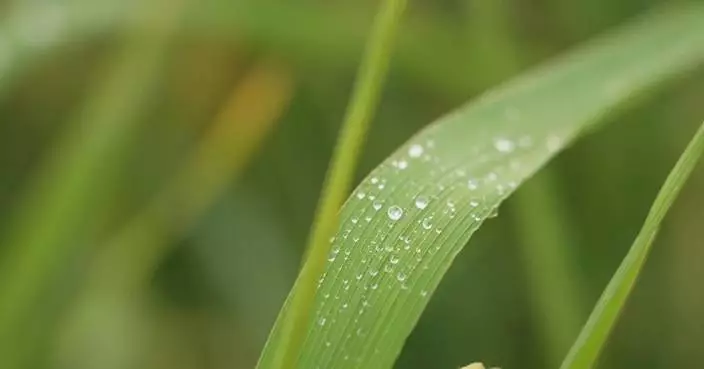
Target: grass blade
(546, 242)
(365, 97)
(404, 224)
(75, 180)
(595, 333)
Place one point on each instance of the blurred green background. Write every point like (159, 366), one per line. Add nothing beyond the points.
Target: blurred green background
(161, 162)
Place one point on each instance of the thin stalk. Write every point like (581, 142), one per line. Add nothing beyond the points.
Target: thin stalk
(592, 339)
(364, 100)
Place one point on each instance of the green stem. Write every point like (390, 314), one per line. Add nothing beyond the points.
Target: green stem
(591, 340)
(364, 100)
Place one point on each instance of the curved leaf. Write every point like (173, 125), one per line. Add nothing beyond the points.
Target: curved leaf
(402, 227)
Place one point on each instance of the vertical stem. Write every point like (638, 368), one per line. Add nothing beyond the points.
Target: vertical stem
(364, 100)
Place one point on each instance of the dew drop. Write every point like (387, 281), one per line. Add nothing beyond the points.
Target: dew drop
(361, 195)
(395, 213)
(472, 184)
(504, 145)
(421, 202)
(553, 143)
(491, 177)
(321, 321)
(427, 223)
(394, 259)
(401, 276)
(525, 142)
(402, 164)
(354, 220)
(373, 272)
(474, 203)
(381, 186)
(415, 151)
(494, 212)
(377, 205)
(374, 180)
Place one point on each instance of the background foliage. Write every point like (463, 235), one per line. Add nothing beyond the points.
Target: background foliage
(217, 254)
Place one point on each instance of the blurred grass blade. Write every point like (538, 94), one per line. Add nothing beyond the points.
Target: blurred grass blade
(404, 224)
(547, 248)
(122, 270)
(595, 333)
(75, 179)
(360, 111)
(248, 117)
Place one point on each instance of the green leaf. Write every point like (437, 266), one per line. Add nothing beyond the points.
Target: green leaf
(595, 333)
(402, 227)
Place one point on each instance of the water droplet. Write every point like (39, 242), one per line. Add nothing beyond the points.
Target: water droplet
(354, 220)
(472, 184)
(415, 151)
(321, 321)
(553, 143)
(427, 223)
(401, 276)
(381, 186)
(377, 205)
(394, 259)
(374, 286)
(421, 202)
(494, 212)
(525, 142)
(395, 213)
(361, 195)
(374, 180)
(423, 293)
(438, 230)
(491, 177)
(474, 203)
(373, 272)
(367, 219)
(402, 165)
(359, 276)
(504, 145)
